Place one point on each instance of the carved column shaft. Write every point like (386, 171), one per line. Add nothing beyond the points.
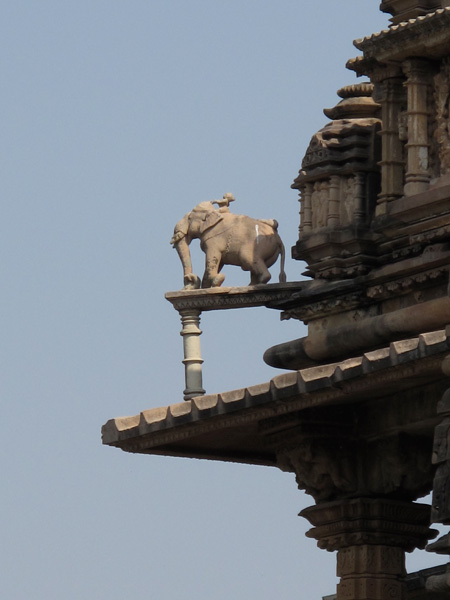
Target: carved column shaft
(333, 203)
(359, 213)
(306, 209)
(417, 176)
(192, 361)
(390, 93)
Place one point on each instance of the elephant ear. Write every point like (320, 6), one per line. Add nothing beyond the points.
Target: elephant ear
(211, 219)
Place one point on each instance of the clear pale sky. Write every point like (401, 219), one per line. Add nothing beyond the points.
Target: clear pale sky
(119, 117)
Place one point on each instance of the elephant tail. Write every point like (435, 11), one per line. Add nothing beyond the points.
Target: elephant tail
(282, 276)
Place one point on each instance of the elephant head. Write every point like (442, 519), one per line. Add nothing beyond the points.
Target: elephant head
(193, 225)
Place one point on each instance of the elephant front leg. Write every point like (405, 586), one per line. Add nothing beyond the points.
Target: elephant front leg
(190, 280)
(212, 277)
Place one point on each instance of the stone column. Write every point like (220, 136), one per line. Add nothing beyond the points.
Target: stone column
(306, 210)
(417, 178)
(190, 320)
(359, 212)
(333, 203)
(390, 94)
(371, 536)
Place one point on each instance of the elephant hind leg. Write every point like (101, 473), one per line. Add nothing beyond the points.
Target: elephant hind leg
(259, 273)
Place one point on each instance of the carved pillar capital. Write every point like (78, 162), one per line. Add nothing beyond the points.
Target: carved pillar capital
(371, 536)
(333, 461)
(417, 70)
(381, 73)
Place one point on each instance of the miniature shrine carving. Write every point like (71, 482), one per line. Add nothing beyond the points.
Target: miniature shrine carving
(227, 239)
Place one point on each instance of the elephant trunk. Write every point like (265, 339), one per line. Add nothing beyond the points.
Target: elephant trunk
(184, 253)
(191, 281)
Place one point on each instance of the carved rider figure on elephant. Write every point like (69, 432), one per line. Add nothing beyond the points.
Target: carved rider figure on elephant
(227, 239)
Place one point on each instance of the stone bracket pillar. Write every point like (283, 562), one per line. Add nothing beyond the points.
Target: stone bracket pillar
(190, 320)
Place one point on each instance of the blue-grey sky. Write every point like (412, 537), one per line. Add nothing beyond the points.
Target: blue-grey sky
(117, 118)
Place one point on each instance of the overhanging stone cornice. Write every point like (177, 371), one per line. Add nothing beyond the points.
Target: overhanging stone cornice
(426, 35)
(225, 426)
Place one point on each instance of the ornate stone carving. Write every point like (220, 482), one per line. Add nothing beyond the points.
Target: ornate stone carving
(336, 467)
(227, 239)
(327, 307)
(406, 284)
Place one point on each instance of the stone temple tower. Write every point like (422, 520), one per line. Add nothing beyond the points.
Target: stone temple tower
(361, 414)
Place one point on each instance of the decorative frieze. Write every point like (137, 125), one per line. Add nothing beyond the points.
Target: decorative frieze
(404, 285)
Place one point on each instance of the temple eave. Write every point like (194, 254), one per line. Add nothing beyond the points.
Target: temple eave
(240, 425)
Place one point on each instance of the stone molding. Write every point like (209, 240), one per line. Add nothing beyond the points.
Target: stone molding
(369, 521)
(403, 285)
(223, 298)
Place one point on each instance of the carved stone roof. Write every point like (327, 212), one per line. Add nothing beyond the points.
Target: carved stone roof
(426, 35)
(228, 425)
(346, 144)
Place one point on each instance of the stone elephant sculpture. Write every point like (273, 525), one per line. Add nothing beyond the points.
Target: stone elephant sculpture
(227, 239)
